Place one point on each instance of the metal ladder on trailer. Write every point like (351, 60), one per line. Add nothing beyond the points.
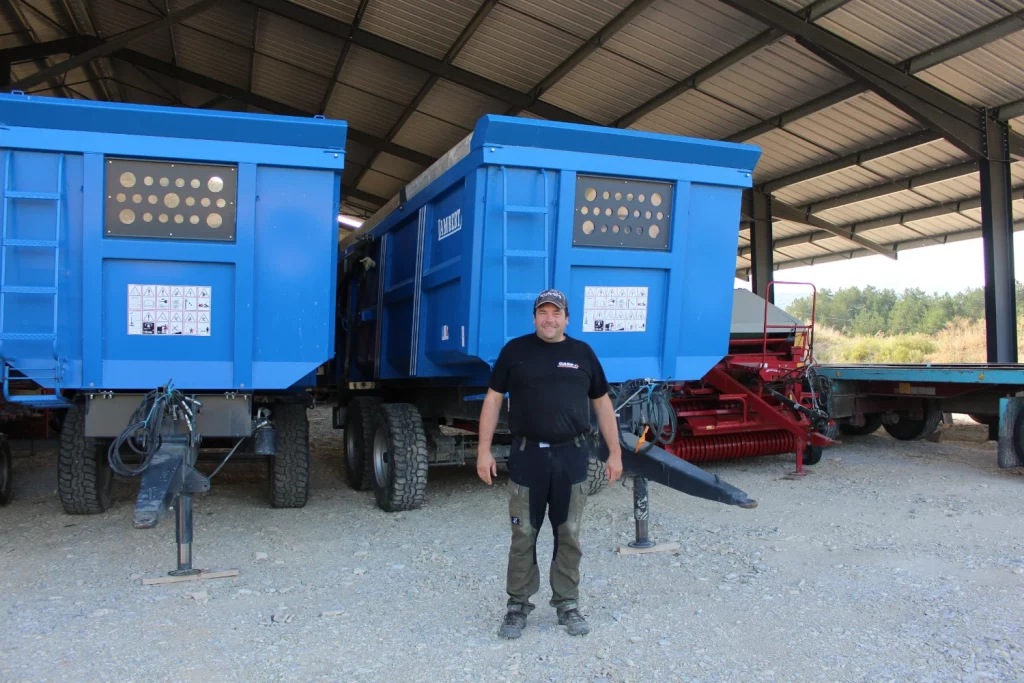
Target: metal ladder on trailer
(54, 372)
(539, 254)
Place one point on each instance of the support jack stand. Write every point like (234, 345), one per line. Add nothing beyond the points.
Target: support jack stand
(170, 480)
(642, 513)
(800, 472)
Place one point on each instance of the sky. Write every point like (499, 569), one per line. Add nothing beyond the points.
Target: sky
(947, 268)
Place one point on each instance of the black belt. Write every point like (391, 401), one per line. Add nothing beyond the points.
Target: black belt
(574, 441)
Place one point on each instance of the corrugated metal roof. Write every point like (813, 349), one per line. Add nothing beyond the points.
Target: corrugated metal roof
(141, 90)
(521, 41)
(605, 86)
(159, 45)
(775, 80)
(988, 76)
(288, 84)
(429, 135)
(949, 222)
(396, 167)
(211, 57)
(345, 10)
(896, 31)
(800, 251)
(380, 184)
(918, 160)
(580, 19)
(862, 121)
(381, 76)
(781, 229)
(364, 111)
(697, 115)
(430, 26)
(515, 49)
(907, 200)
(840, 182)
(298, 45)
(228, 20)
(458, 105)
(784, 153)
(959, 188)
(44, 30)
(678, 37)
(112, 17)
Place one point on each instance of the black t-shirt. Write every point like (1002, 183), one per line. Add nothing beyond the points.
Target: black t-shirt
(550, 386)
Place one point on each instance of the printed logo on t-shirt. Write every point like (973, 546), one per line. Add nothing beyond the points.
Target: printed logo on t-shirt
(567, 364)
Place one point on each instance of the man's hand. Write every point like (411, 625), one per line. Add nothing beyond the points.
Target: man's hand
(613, 467)
(486, 467)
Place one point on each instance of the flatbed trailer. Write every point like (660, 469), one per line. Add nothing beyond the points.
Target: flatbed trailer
(909, 400)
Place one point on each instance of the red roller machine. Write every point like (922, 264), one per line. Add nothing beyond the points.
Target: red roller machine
(763, 398)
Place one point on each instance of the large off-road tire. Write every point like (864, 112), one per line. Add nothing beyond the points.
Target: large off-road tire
(289, 468)
(399, 465)
(908, 429)
(6, 471)
(870, 426)
(597, 476)
(1018, 438)
(84, 478)
(359, 426)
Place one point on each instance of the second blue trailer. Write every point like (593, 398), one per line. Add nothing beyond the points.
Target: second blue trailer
(639, 230)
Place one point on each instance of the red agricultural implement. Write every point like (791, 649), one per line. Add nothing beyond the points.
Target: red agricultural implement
(763, 398)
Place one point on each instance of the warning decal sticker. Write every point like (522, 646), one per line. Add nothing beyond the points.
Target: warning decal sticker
(165, 310)
(615, 309)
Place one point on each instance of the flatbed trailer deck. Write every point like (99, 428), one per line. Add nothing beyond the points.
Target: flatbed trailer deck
(909, 400)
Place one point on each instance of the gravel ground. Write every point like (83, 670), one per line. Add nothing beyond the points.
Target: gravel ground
(889, 562)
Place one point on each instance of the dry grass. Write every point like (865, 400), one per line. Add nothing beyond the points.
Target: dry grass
(961, 341)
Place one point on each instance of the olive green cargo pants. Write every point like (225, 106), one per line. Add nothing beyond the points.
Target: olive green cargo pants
(552, 492)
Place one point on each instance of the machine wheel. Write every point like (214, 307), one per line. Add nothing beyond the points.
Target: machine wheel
(6, 471)
(399, 457)
(597, 476)
(84, 478)
(912, 430)
(359, 442)
(870, 426)
(289, 468)
(812, 455)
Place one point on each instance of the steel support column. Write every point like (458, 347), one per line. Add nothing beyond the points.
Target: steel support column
(761, 257)
(997, 241)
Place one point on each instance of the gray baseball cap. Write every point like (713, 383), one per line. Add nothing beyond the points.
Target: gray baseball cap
(551, 296)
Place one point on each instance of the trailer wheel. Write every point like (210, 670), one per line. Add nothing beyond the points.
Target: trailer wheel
(912, 430)
(870, 426)
(399, 457)
(84, 478)
(987, 420)
(597, 476)
(359, 442)
(289, 467)
(1018, 438)
(6, 471)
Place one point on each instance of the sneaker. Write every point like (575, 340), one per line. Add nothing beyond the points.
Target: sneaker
(513, 624)
(574, 622)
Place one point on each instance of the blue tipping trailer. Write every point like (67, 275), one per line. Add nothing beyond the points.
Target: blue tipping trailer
(638, 229)
(165, 266)
(908, 400)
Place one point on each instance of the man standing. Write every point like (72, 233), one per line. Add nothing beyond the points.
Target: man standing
(552, 381)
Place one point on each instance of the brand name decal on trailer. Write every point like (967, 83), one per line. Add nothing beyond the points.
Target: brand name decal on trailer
(449, 225)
